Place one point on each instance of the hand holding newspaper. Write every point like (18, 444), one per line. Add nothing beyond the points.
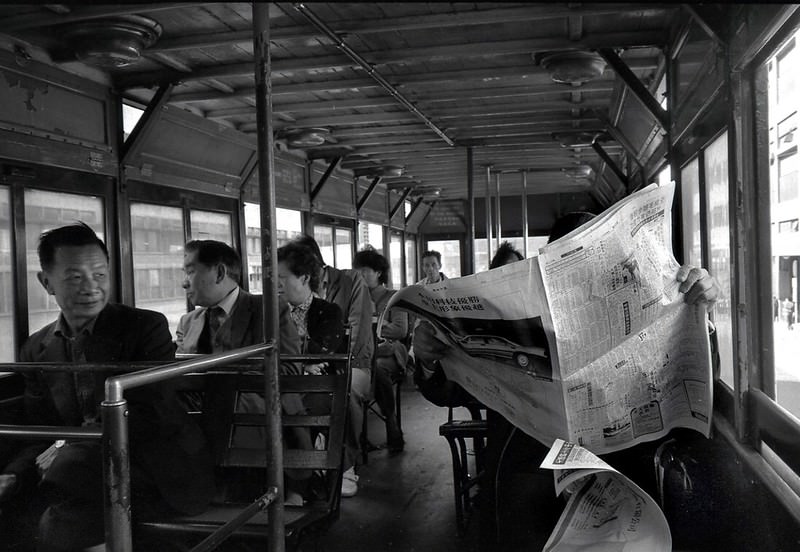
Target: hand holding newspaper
(605, 511)
(590, 342)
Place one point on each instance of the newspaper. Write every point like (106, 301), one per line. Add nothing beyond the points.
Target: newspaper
(589, 342)
(605, 510)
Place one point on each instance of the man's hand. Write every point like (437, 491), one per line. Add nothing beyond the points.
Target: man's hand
(427, 347)
(698, 285)
(8, 485)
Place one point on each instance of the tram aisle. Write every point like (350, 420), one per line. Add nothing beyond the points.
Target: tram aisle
(405, 502)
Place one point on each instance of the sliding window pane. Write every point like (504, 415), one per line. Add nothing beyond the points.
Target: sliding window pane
(716, 173)
(289, 225)
(690, 213)
(210, 225)
(324, 238)
(7, 345)
(45, 211)
(411, 261)
(344, 248)
(396, 260)
(371, 235)
(157, 243)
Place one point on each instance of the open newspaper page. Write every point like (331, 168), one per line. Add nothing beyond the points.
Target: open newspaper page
(498, 325)
(605, 510)
(634, 358)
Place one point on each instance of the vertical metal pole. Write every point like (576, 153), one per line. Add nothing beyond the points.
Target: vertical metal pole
(470, 245)
(117, 477)
(488, 215)
(498, 206)
(525, 214)
(266, 186)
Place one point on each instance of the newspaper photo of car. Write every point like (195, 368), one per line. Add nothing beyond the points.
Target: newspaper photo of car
(533, 360)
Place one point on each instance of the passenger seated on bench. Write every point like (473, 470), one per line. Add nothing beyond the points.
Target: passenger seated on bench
(171, 465)
(347, 289)
(523, 453)
(391, 355)
(319, 323)
(227, 317)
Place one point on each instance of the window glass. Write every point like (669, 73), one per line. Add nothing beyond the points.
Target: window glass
(324, 238)
(451, 256)
(370, 234)
(130, 116)
(344, 248)
(45, 211)
(396, 260)
(210, 225)
(535, 243)
(289, 225)
(411, 260)
(157, 242)
(690, 213)
(7, 344)
(719, 248)
(481, 257)
(783, 106)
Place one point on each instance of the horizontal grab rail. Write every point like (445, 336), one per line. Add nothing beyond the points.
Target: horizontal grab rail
(116, 385)
(50, 432)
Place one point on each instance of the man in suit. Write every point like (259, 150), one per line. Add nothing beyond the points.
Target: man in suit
(227, 317)
(348, 289)
(171, 467)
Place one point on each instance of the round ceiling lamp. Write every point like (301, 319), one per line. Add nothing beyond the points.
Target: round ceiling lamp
(306, 137)
(579, 171)
(111, 42)
(573, 67)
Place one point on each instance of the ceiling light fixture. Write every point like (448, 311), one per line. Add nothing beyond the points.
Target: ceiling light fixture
(572, 67)
(111, 42)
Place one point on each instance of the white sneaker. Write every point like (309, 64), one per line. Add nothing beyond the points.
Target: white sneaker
(349, 483)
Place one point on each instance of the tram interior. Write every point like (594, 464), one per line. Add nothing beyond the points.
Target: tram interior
(415, 126)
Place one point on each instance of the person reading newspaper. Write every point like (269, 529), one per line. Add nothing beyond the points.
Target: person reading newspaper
(512, 451)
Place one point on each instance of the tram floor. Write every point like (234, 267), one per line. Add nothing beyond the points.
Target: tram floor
(404, 502)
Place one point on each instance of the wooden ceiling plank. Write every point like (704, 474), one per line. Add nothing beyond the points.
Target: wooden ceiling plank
(34, 20)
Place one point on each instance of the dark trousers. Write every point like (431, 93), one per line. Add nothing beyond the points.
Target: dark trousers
(73, 491)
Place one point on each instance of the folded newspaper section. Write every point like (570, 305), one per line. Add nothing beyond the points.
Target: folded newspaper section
(605, 510)
(590, 342)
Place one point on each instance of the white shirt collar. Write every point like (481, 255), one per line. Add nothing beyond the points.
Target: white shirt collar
(229, 301)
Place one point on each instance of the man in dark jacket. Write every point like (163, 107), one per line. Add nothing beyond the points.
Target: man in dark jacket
(171, 467)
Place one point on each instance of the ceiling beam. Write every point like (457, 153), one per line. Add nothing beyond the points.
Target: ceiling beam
(39, 19)
(651, 38)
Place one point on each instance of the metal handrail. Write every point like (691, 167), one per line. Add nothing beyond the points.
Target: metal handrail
(116, 464)
(49, 432)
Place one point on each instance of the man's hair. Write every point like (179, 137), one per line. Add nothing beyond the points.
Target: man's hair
(568, 223)
(504, 254)
(307, 241)
(432, 253)
(212, 252)
(301, 261)
(370, 258)
(72, 235)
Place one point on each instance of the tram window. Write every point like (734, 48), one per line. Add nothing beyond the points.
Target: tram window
(481, 255)
(157, 241)
(396, 260)
(45, 210)
(690, 213)
(370, 234)
(335, 244)
(411, 260)
(407, 206)
(783, 106)
(451, 256)
(7, 345)
(715, 159)
(288, 224)
(130, 116)
(535, 243)
(209, 225)
(344, 248)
